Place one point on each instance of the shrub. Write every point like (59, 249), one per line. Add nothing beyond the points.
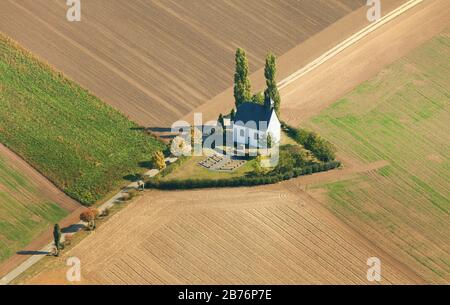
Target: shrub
(132, 193)
(68, 239)
(321, 148)
(173, 166)
(106, 212)
(128, 195)
(125, 197)
(315, 168)
(89, 217)
(269, 178)
(95, 212)
(159, 160)
(298, 172)
(321, 167)
(307, 170)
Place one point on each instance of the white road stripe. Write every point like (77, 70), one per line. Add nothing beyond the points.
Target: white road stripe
(348, 42)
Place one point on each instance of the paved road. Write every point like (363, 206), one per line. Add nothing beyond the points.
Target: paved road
(348, 42)
(33, 259)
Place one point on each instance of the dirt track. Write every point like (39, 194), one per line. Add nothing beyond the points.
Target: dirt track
(271, 234)
(313, 92)
(157, 60)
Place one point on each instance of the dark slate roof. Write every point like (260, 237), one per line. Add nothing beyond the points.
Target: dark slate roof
(253, 112)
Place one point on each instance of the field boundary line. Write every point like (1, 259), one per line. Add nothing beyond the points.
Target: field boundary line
(348, 42)
(33, 259)
(133, 82)
(282, 84)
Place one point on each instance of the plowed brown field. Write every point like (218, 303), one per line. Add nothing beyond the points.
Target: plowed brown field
(271, 234)
(158, 60)
(313, 92)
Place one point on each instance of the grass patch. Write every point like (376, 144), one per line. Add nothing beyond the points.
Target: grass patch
(405, 122)
(81, 144)
(293, 161)
(23, 213)
(190, 169)
(386, 171)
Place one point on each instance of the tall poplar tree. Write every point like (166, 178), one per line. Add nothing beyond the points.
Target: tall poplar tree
(57, 238)
(242, 86)
(271, 92)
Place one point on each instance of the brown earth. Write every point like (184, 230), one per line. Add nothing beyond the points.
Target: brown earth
(297, 58)
(312, 93)
(152, 70)
(46, 190)
(271, 234)
(169, 228)
(158, 60)
(350, 168)
(316, 90)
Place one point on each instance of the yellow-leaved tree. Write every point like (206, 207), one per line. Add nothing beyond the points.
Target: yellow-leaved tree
(159, 160)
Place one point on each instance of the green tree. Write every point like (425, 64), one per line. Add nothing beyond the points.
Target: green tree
(242, 86)
(258, 98)
(269, 141)
(232, 114)
(322, 149)
(192, 137)
(257, 169)
(271, 91)
(57, 238)
(221, 121)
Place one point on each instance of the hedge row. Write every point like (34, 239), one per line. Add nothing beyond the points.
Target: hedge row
(240, 181)
(321, 148)
(172, 167)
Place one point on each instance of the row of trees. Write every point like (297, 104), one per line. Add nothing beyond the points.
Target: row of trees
(242, 85)
(89, 216)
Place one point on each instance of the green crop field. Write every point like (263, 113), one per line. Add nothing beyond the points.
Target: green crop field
(84, 146)
(23, 213)
(401, 116)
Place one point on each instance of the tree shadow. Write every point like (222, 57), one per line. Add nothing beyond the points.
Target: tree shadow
(146, 164)
(168, 137)
(132, 177)
(73, 228)
(32, 252)
(159, 129)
